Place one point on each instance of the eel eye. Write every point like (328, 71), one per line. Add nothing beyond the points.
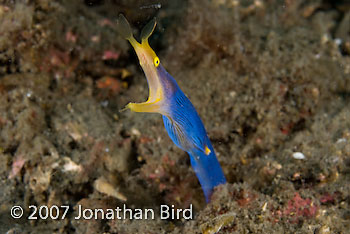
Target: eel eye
(156, 61)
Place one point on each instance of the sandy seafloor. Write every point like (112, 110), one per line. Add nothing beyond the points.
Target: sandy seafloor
(270, 80)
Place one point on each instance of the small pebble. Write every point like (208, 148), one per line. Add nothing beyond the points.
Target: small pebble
(341, 140)
(29, 94)
(298, 155)
(104, 103)
(135, 132)
(71, 166)
(338, 41)
(103, 186)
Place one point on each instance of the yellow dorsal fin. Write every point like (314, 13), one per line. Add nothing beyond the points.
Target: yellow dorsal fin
(207, 151)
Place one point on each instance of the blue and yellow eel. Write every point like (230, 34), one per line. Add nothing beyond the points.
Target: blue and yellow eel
(181, 120)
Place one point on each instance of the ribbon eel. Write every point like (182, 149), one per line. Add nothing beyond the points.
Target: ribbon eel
(181, 120)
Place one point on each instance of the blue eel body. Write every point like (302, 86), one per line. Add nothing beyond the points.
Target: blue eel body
(186, 130)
